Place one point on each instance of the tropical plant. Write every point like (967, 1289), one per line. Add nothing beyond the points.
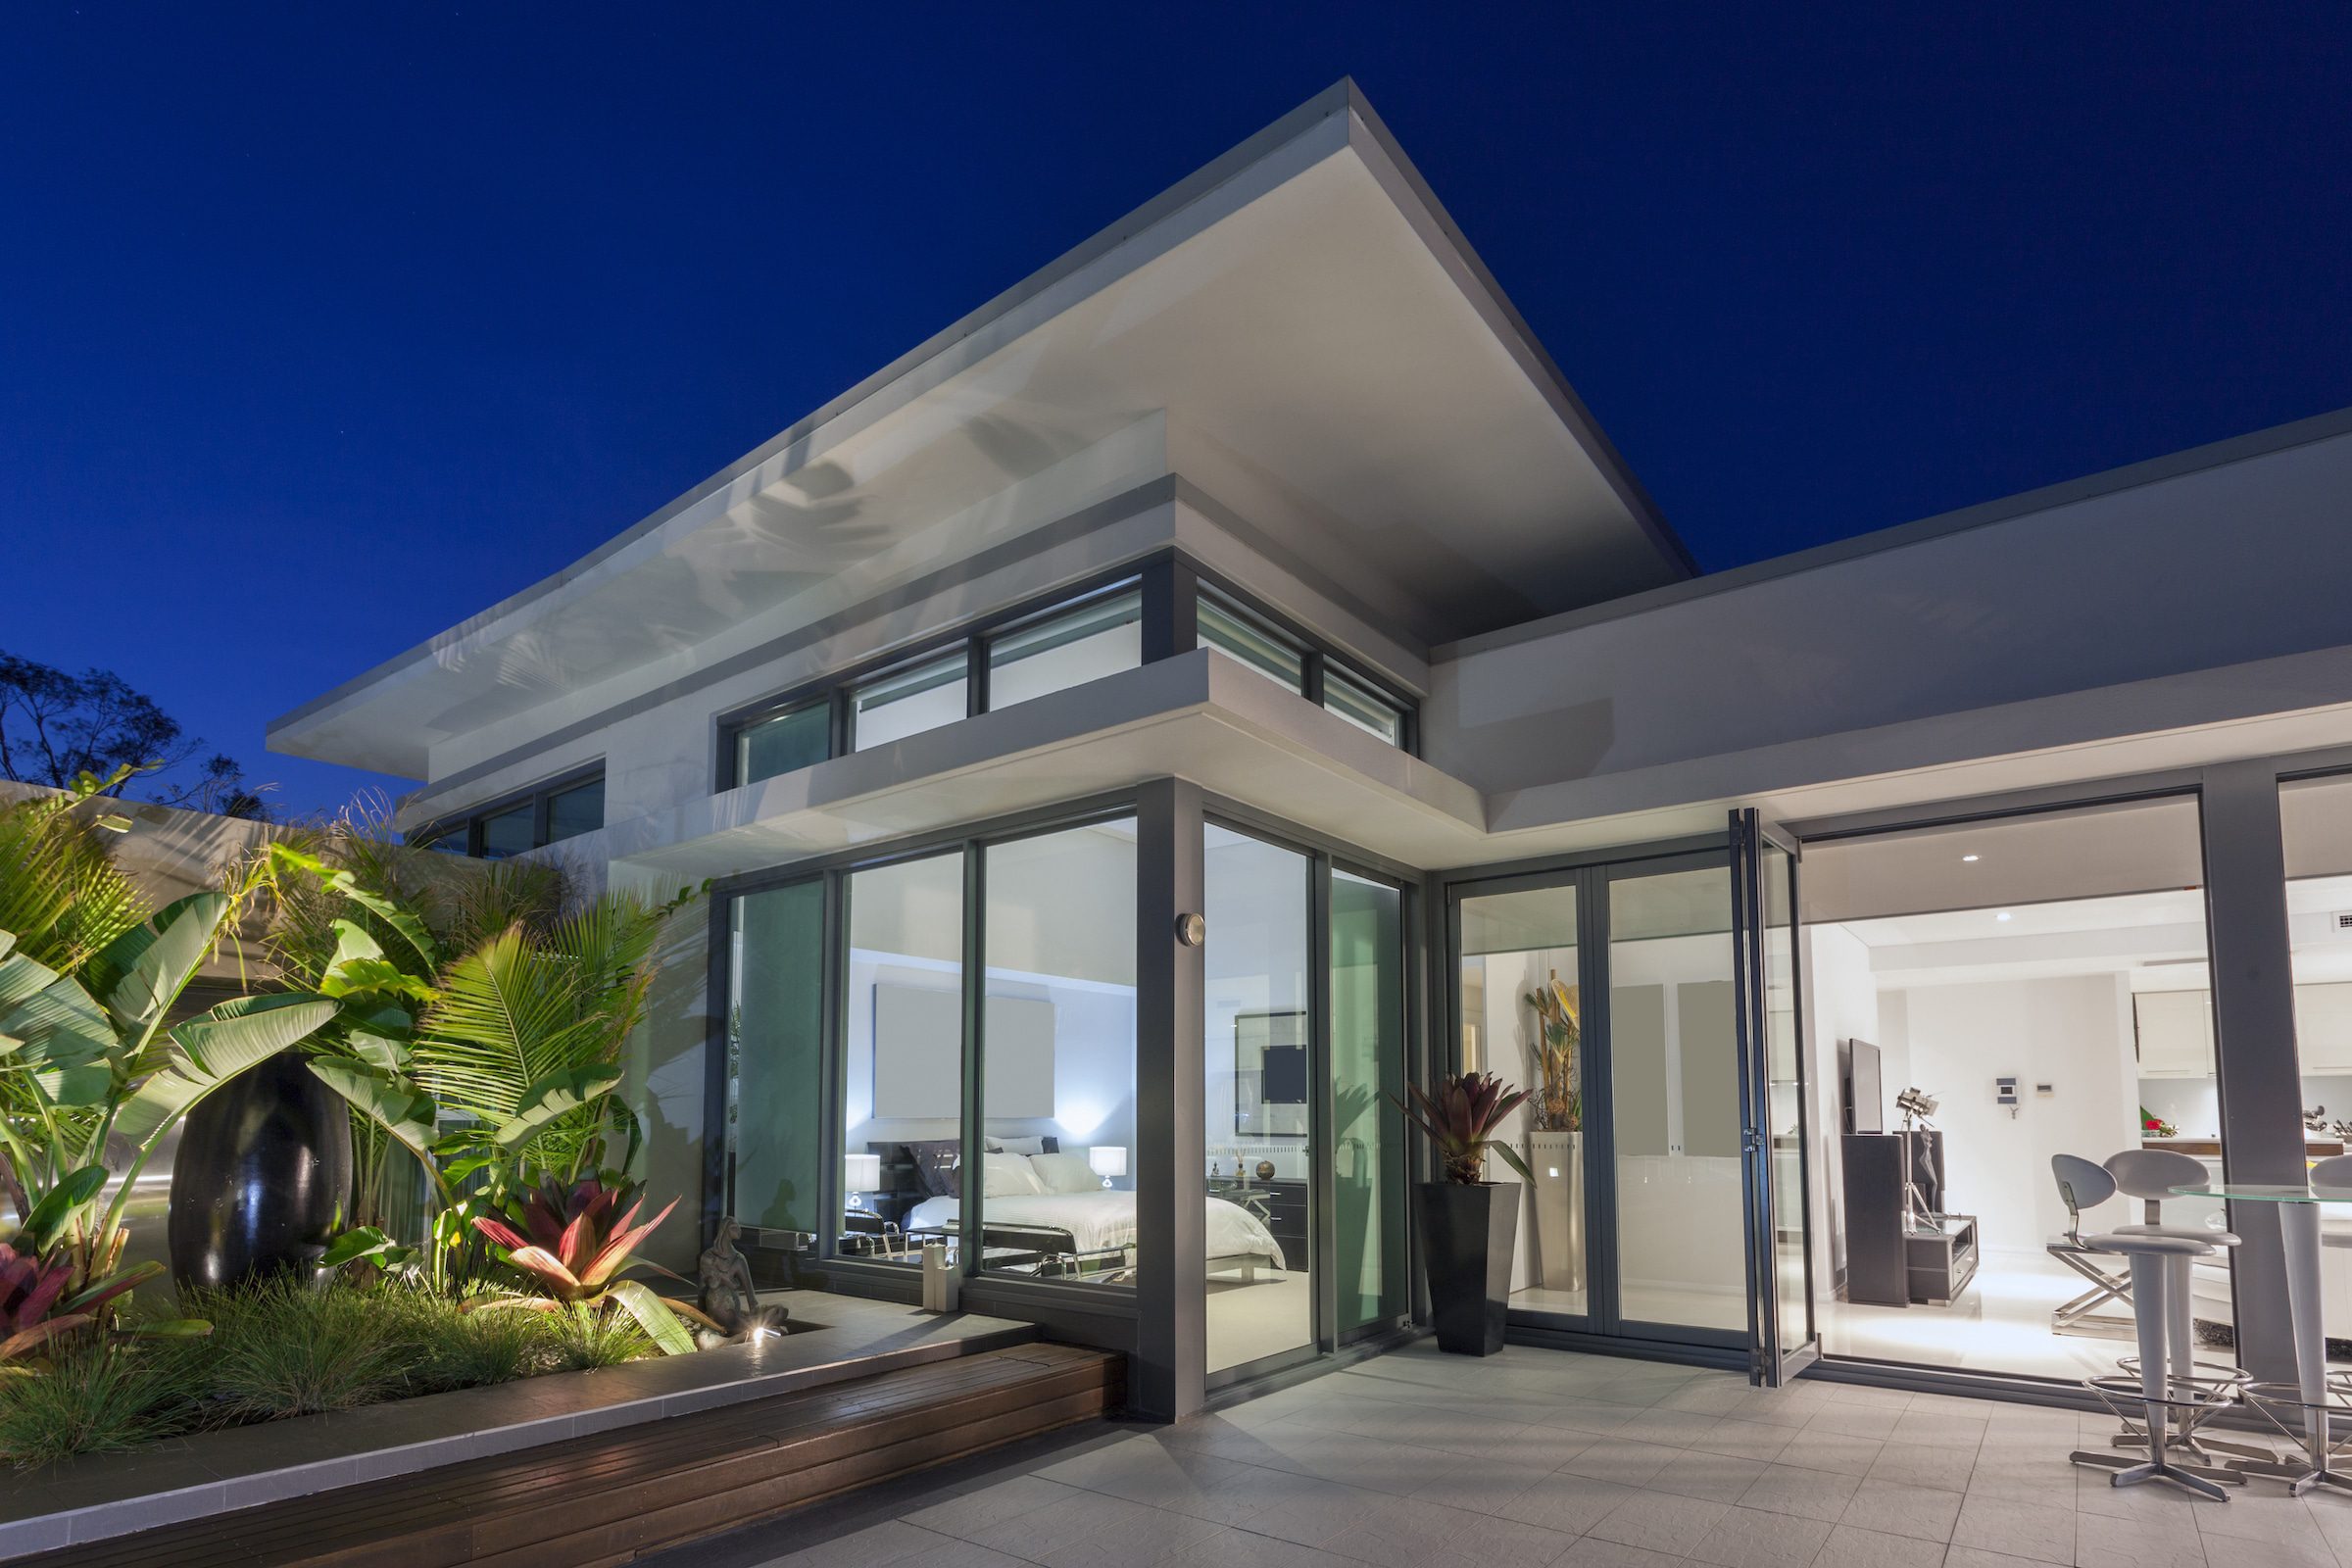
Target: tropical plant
(1559, 1106)
(1460, 1117)
(572, 1249)
(60, 891)
(89, 1066)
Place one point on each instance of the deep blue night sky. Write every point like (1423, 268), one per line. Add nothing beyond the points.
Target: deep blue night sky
(321, 327)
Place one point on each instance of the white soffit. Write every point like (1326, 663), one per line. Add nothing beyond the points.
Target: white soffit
(1300, 310)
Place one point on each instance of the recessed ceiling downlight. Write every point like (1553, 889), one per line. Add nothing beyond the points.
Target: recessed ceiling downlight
(2003, 915)
(1971, 857)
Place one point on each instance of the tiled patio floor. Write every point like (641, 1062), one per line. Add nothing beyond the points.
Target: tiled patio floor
(1541, 1457)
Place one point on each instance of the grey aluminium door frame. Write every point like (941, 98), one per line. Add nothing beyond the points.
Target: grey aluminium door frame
(1778, 1349)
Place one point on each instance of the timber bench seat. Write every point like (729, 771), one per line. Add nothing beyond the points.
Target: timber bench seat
(609, 1497)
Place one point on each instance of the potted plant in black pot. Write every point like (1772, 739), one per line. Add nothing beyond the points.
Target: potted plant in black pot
(1468, 1224)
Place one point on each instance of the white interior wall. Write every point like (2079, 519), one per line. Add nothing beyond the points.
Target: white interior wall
(1061, 930)
(2074, 1033)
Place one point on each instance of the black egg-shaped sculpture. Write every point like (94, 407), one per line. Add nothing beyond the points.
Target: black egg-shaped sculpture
(262, 1177)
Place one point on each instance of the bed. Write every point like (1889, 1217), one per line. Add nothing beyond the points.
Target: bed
(1103, 1220)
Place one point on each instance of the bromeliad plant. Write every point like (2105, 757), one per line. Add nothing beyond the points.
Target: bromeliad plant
(572, 1249)
(1460, 1117)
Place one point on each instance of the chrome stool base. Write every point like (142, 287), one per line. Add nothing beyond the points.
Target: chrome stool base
(2187, 1403)
(2311, 1465)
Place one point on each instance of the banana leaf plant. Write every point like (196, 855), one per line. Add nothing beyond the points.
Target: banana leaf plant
(91, 1076)
(573, 1248)
(1460, 1117)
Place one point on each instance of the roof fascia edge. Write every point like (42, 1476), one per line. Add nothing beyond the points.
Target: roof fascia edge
(1225, 175)
(1381, 154)
(2181, 464)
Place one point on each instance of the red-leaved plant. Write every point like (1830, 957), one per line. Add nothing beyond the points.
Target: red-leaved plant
(1460, 1116)
(34, 1307)
(574, 1248)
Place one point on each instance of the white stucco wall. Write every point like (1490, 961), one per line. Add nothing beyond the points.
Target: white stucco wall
(2200, 572)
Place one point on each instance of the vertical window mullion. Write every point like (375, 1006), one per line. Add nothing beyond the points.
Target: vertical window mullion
(975, 1013)
(1322, 1116)
(975, 676)
(833, 1026)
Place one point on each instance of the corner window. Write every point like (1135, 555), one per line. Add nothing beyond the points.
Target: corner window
(1249, 642)
(909, 701)
(799, 738)
(1066, 648)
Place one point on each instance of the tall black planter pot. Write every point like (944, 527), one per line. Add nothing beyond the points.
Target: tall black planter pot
(1467, 1233)
(263, 1176)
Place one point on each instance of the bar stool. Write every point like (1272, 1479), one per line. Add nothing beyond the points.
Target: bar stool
(2161, 1399)
(2150, 1175)
(2084, 1184)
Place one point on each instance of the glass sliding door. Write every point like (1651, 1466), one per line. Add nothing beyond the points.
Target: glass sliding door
(902, 1059)
(1057, 1055)
(1520, 1016)
(1259, 1158)
(1367, 1073)
(1305, 996)
(775, 1056)
(1675, 1127)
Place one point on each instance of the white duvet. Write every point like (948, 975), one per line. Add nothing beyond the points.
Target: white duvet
(1101, 1220)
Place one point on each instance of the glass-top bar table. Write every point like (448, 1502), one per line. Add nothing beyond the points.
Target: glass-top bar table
(2299, 1239)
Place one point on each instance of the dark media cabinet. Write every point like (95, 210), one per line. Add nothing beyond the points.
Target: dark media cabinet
(1886, 1262)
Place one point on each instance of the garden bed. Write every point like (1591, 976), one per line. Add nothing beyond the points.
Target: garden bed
(186, 1477)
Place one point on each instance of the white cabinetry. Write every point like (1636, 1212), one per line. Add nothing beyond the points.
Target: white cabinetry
(2323, 1028)
(2176, 1033)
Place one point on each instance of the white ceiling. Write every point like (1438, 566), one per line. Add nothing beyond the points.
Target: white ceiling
(2158, 939)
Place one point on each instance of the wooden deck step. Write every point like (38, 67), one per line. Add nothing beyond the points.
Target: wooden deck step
(612, 1496)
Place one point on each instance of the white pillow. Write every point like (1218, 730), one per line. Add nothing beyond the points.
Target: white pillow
(1009, 1176)
(1065, 1173)
(1016, 1145)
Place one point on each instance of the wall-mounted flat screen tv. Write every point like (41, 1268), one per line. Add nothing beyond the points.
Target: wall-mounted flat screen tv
(1865, 1100)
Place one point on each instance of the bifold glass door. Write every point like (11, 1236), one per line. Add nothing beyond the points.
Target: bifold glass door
(1784, 1335)
(1649, 1006)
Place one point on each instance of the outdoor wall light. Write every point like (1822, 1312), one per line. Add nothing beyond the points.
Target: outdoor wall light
(1107, 1160)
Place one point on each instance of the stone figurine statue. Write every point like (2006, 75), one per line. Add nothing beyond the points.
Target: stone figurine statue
(728, 1295)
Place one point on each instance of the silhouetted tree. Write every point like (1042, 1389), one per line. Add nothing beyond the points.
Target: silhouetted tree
(55, 726)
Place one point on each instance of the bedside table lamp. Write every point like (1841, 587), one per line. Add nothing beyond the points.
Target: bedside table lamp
(1107, 1160)
(860, 1174)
